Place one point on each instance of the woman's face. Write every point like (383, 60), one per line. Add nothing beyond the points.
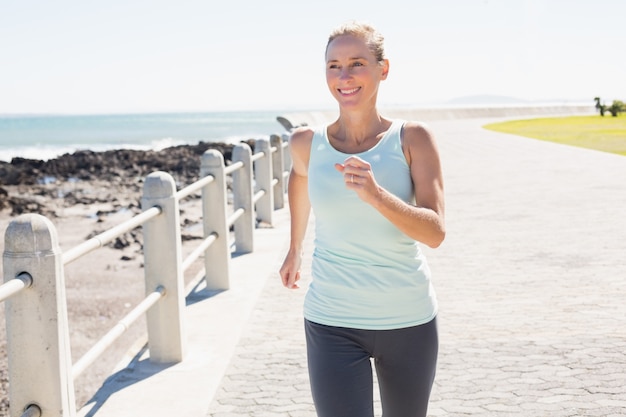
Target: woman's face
(352, 72)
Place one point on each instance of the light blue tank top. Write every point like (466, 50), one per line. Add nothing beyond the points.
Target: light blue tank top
(366, 273)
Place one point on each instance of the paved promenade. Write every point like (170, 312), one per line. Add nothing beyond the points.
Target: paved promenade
(531, 282)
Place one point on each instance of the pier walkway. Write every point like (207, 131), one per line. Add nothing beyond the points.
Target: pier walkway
(531, 282)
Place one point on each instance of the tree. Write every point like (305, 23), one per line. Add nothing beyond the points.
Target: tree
(599, 106)
(615, 108)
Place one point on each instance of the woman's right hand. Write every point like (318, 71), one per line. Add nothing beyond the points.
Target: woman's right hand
(290, 271)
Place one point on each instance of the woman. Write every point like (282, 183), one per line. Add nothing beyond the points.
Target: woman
(376, 189)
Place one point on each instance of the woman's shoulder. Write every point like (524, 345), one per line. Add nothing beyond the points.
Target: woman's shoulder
(416, 133)
(302, 134)
(418, 140)
(301, 137)
(300, 142)
(415, 128)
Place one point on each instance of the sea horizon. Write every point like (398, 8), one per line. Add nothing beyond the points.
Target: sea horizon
(47, 136)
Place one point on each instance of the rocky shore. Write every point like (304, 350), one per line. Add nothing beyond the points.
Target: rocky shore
(27, 185)
(83, 194)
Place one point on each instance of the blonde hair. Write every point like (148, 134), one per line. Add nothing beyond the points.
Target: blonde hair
(372, 37)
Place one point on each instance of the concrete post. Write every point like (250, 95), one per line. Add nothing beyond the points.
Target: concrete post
(277, 171)
(163, 266)
(243, 199)
(263, 177)
(286, 160)
(217, 256)
(38, 342)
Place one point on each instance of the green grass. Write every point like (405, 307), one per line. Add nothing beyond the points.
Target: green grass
(607, 134)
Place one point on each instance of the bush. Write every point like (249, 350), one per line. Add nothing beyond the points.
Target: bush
(617, 107)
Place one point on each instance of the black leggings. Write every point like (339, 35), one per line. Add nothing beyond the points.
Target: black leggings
(340, 371)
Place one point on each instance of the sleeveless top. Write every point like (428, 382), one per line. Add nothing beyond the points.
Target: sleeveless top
(366, 273)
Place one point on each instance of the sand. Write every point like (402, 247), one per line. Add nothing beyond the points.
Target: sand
(104, 285)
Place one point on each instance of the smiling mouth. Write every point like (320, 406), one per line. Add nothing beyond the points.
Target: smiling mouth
(349, 92)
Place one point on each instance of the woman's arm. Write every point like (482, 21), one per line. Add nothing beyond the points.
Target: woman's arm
(299, 204)
(423, 221)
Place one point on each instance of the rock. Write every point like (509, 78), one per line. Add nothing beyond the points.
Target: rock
(117, 166)
(39, 185)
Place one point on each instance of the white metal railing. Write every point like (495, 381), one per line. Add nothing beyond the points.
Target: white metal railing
(15, 285)
(41, 374)
(110, 235)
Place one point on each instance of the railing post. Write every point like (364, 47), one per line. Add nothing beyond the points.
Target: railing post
(217, 256)
(277, 171)
(163, 267)
(286, 161)
(38, 341)
(243, 199)
(263, 177)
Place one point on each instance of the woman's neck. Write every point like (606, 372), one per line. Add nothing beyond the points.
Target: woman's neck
(358, 127)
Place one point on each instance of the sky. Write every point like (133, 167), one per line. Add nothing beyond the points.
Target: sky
(130, 56)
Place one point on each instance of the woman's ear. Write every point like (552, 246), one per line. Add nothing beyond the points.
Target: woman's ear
(385, 65)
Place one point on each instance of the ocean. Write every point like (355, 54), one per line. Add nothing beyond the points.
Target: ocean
(48, 136)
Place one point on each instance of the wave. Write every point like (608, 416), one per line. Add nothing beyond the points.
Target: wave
(43, 137)
(44, 153)
(47, 152)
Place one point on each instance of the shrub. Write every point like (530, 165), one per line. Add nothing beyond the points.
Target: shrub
(617, 107)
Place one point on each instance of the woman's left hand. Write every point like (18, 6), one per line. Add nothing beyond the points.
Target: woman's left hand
(358, 176)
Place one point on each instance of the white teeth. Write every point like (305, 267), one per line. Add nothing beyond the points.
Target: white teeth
(354, 90)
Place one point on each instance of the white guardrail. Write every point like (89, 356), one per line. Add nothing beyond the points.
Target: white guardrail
(41, 375)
